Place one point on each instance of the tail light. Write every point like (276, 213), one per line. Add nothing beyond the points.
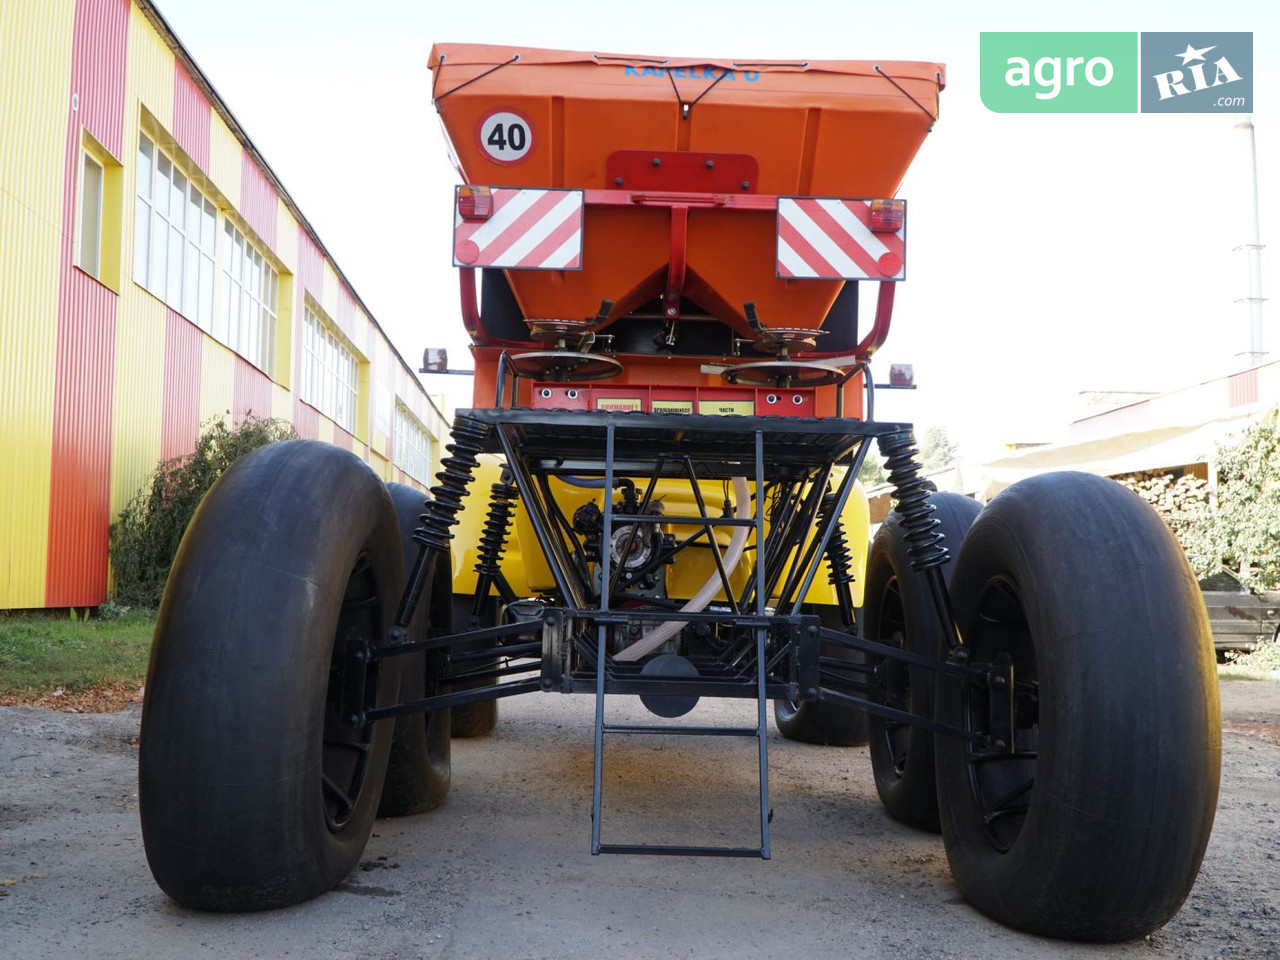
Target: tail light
(475, 203)
(887, 215)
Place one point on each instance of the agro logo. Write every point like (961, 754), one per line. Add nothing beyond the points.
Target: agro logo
(1197, 73)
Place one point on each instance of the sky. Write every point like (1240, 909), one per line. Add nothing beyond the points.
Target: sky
(1050, 254)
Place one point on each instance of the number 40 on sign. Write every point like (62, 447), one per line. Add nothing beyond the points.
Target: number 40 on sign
(505, 136)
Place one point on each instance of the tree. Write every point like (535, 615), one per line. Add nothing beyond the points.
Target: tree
(145, 538)
(1240, 528)
(937, 449)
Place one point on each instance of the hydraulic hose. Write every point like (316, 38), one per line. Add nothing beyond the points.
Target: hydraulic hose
(663, 632)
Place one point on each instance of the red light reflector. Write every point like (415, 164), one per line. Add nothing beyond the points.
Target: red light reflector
(475, 203)
(887, 216)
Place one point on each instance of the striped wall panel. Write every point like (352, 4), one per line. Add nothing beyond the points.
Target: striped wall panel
(180, 427)
(191, 117)
(306, 420)
(1242, 388)
(149, 73)
(217, 380)
(257, 200)
(251, 392)
(80, 462)
(98, 57)
(80, 458)
(138, 393)
(226, 158)
(34, 117)
(287, 231)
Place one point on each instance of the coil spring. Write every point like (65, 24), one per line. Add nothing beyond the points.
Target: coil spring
(493, 541)
(839, 557)
(920, 526)
(458, 471)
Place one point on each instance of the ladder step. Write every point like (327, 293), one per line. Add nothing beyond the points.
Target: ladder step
(668, 850)
(751, 732)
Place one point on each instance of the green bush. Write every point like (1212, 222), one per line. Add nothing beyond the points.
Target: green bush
(145, 537)
(1240, 528)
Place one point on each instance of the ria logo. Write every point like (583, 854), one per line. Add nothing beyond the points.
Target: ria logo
(1171, 84)
(1197, 73)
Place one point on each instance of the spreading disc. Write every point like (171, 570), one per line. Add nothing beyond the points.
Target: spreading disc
(783, 373)
(564, 365)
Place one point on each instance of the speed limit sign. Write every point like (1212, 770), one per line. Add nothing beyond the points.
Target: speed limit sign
(505, 136)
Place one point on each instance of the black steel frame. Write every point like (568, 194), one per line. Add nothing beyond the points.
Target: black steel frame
(770, 651)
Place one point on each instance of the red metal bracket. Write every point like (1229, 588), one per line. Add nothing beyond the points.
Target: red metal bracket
(667, 169)
(668, 198)
(874, 340)
(677, 262)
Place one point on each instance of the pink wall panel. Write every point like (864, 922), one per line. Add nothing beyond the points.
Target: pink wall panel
(192, 117)
(258, 203)
(80, 465)
(250, 392)
(347, 314)
(306, 420)
(180, 412)
(341, 438)
(98, 52)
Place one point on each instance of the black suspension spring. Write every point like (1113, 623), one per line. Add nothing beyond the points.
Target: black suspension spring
(910, 490)
(458, 470)
(493, 541)
(839, 556)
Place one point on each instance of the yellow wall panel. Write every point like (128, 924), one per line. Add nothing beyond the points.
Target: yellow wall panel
(286, 237)
(35, 41)
(380, 464)
(329, 292)
(149, 75)
(281, 403)
(29, 253)
(139, 393)
(325, 432)
(217, 380)
(225, 157)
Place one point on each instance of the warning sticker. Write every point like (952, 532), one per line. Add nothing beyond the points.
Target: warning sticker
(729, 408)
(672, 406)
(619, 403)
(505, 136)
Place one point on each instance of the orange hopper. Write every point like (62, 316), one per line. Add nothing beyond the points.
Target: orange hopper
(682, 162)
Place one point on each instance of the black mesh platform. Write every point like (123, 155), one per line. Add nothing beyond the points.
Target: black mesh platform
(566, 441)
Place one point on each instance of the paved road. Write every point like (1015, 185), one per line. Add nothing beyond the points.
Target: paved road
(503, 869)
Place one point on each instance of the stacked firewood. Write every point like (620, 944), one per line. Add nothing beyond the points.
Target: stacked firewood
(1174, 497)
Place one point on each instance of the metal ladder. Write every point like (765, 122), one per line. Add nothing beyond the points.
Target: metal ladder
(759, 731)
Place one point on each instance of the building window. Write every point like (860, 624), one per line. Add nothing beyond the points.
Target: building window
(329, 371)
(89, 258)
(412, 446)
(175, 230)
(246, 320)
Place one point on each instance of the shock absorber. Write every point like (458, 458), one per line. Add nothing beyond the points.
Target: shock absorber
(839, 557)
(920, 529)
(441, 512)
(839, 560)
(456, 475)
(924, 540)
(493, 541)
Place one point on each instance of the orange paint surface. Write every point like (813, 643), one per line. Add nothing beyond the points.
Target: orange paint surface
(821, 128)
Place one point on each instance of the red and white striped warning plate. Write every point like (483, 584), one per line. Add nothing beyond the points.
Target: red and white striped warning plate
(828, 238)
(526, 230)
